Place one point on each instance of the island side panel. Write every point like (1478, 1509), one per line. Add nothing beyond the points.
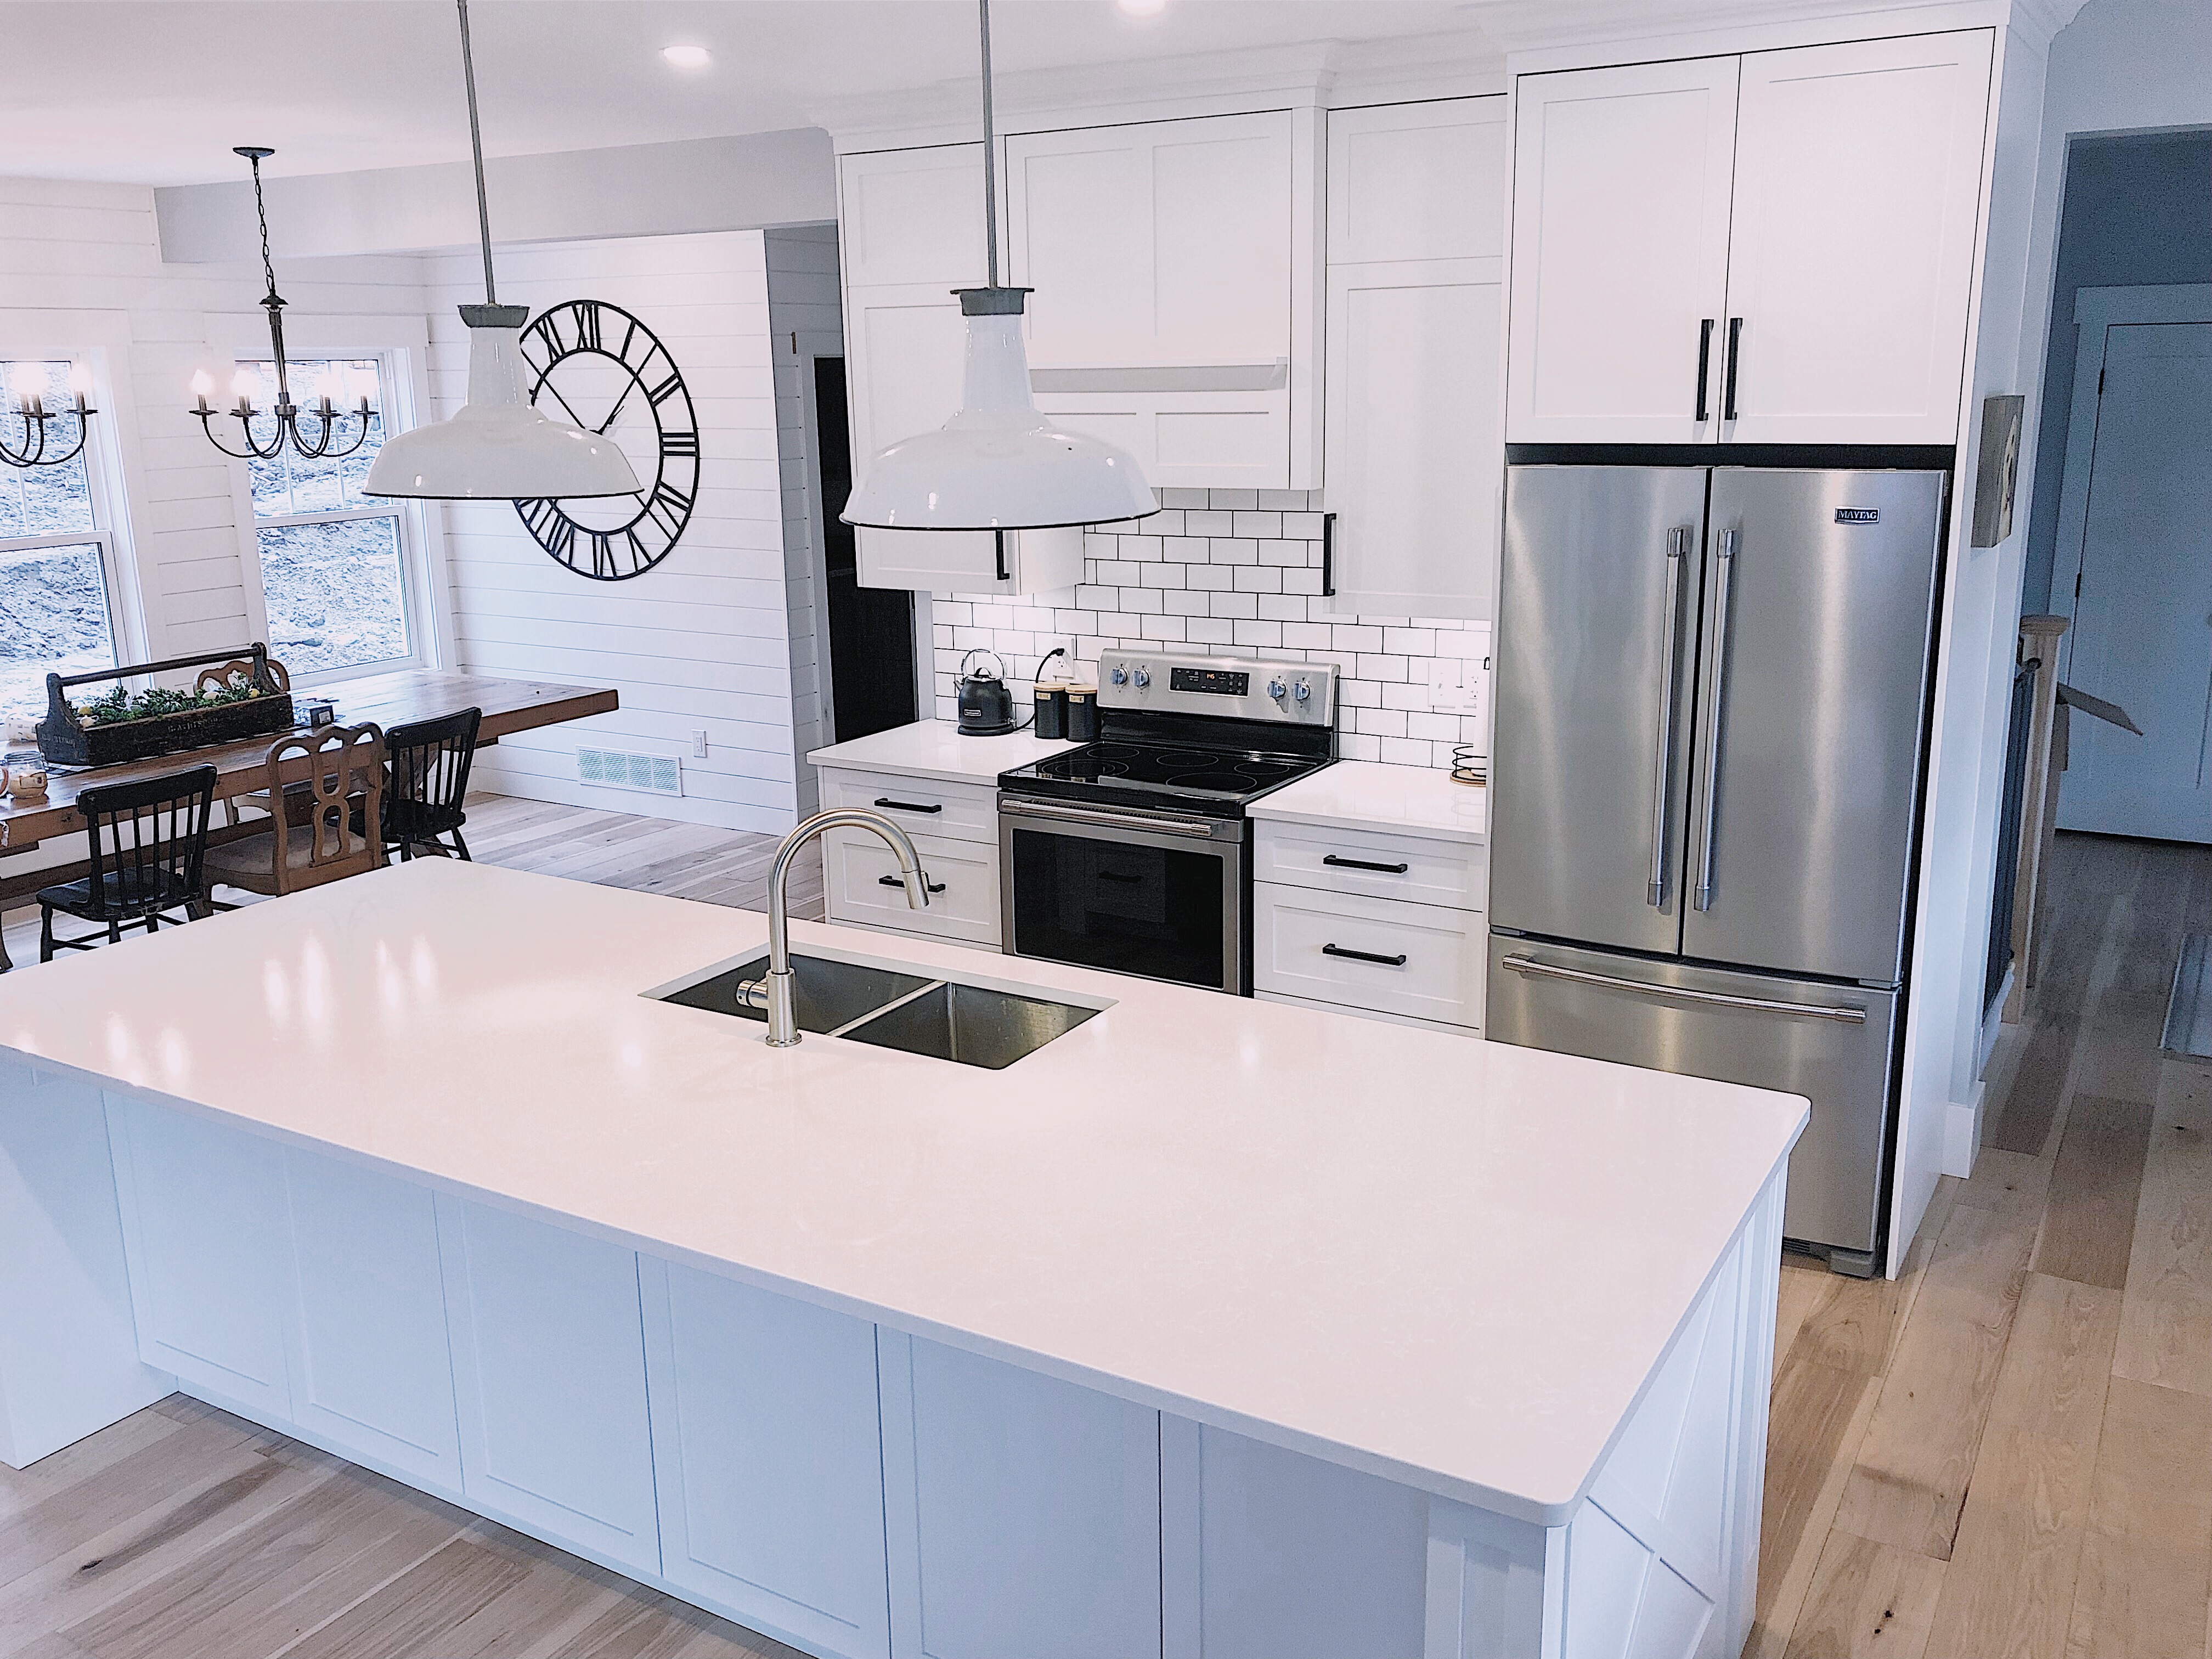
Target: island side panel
(68, 1349)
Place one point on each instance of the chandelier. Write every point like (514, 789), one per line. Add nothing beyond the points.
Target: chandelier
(285, 425)
(28, 383)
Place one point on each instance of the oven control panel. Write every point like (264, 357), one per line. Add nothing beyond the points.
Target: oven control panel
(1244, 688)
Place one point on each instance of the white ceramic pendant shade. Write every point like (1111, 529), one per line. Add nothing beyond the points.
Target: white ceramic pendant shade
(999, 464)
(499, 447)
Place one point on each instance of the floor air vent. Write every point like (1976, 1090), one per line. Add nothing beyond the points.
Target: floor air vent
(617, 768)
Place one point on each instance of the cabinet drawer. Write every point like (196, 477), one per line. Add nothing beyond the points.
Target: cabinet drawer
(1303, 940)
(861, 876)
(960, 811)
(1448, 873)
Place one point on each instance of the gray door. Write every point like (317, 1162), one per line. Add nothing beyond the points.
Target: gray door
(1820, 600)
(1831, 1044)
(1594, 679)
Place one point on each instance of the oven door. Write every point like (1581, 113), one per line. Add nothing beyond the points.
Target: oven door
(1138, 891)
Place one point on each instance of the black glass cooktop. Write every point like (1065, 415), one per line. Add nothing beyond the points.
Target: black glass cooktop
(1177, 774)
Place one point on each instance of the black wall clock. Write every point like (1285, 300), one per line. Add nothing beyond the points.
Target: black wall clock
(606, 371)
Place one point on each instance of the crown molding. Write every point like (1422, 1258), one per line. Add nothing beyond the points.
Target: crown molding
(1592, 31)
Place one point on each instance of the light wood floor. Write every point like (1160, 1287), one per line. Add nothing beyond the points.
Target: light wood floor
(621, 850)
(2005, 1452)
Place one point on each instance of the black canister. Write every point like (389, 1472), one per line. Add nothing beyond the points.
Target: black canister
(1051, 710)
(1082, 725)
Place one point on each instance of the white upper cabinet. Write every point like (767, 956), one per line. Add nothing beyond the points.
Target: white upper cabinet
(1620, 221)
(1850, 257)
(1170, 290)
(1774, 248)
(1414, 370)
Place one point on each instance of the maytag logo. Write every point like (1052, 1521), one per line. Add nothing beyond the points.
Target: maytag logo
(1858, 515)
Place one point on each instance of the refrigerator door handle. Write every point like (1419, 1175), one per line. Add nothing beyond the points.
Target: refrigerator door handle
(1535, 969)
(1678, 548)
(1711, 780)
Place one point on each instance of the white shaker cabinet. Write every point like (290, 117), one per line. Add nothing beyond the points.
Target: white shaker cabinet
(770, 1474)
(1173, 270)
(1621, 179)
(547, 1338)
(1023, 1513)
(1771, 248)
(1852, 247)
(1413, 362)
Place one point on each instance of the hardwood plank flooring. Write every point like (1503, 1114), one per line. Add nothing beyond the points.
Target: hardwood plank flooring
(2006, 1451)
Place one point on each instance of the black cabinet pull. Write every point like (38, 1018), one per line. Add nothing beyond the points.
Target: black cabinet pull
(1398, 961)
(1704, 365)
(1362, 864)
(908, 805)
(1329, 555)
(998, 553)
(1117, 875)
(1735, 361)
(893, 881)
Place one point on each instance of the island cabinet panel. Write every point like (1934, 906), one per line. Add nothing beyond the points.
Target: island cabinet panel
(1851, 250)
(207, 1234)
(1414, 390)
(1022, 1513)
(1268, 1554)
(371, 1371)
(1621, 179)
(770, 1475)
(549, 1377)
(1175, 298)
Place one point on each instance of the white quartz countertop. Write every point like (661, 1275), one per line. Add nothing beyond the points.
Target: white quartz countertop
(1452, 1264)
(1410, 801)
(937, 749)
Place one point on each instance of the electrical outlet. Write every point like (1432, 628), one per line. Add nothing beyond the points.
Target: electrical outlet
(698, 745)
(1456, 686)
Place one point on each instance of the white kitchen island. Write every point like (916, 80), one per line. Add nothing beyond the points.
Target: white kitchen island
(1213, 1327)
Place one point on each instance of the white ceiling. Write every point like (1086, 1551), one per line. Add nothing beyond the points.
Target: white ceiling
(157, 91)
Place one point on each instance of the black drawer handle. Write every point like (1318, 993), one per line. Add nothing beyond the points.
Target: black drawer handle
(893, 881)
(908, 805)
(1362, 864)
(1398, 961)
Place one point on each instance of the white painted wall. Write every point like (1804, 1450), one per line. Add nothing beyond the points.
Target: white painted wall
(702, 641)
(806, 321)
(82, 273)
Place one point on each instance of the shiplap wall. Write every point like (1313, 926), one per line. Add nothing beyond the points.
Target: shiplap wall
(70, 250)
(703, 641)
(806, 319)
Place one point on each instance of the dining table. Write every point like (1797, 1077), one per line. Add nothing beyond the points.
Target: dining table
(397, 698)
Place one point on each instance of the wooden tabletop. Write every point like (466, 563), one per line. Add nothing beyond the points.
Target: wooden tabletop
(390, 700)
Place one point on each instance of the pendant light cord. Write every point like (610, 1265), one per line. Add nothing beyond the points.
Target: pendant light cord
(475, 147)
(990, 150)
(267, 268)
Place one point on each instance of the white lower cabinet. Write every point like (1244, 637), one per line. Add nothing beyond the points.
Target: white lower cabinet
(1419, 960)
(205, 1231)
(1021, 1512)
(371, 1371)
(770, 1474)
(861, 883)
(549, 1375)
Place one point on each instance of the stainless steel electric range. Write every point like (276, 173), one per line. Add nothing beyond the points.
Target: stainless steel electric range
(1133, 853)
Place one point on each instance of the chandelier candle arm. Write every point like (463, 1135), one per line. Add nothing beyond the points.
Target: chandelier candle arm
(31, 409)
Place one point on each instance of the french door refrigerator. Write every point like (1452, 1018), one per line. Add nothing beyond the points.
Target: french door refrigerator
(1712, 689)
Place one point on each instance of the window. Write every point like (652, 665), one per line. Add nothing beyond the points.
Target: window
(333, 560)
(57, 606)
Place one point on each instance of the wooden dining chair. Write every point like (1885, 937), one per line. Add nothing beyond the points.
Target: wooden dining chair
(336, 774)
(209, 680)
(149, 844)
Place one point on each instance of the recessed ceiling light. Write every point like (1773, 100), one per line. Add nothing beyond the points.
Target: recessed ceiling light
(688, 56)
(1143, 7)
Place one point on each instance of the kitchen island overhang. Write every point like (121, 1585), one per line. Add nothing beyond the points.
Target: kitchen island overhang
(1458, 1268)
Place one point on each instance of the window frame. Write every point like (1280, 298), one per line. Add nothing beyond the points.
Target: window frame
(399, 345)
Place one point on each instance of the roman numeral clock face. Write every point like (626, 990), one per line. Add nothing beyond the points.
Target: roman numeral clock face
(601, 368)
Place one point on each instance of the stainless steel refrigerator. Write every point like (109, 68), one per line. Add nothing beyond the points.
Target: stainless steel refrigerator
(1712, 692)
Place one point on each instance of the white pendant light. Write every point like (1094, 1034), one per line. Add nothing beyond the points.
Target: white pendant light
(999, 464)
(499, 447)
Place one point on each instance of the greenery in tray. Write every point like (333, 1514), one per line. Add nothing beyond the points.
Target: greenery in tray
(120, 705)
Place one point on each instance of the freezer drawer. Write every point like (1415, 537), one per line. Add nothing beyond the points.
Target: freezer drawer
(1832, 1044)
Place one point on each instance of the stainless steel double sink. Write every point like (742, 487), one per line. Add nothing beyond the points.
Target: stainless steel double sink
(889, 1007)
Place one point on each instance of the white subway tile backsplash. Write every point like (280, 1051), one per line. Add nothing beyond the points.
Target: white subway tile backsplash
(1228, 570)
